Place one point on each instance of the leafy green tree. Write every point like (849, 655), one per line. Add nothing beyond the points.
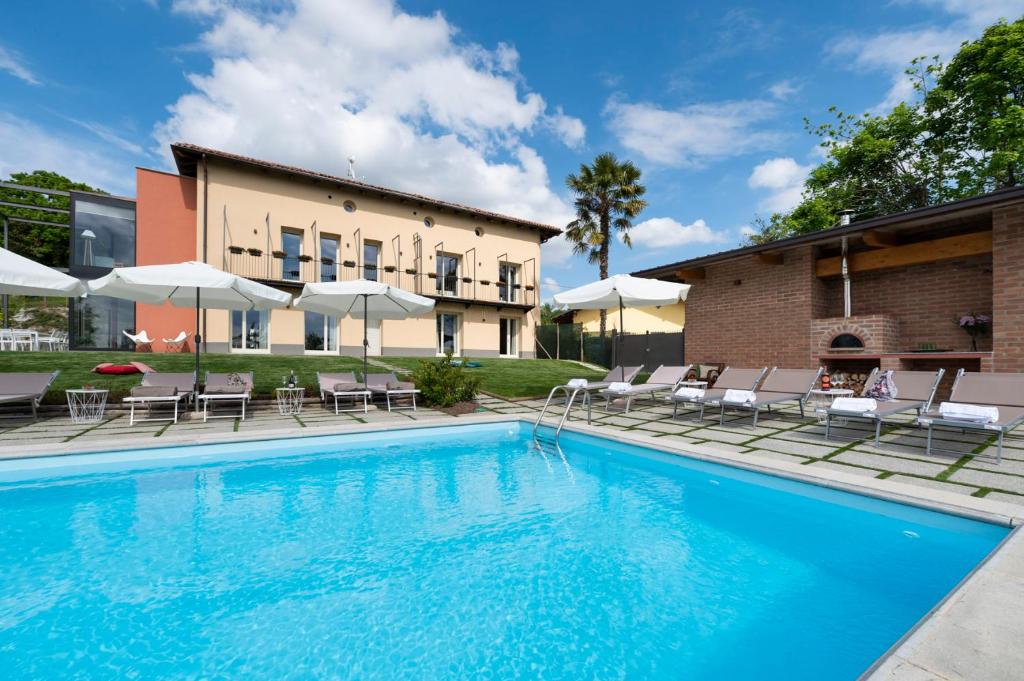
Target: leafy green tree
(978, 103)
(48, 245)
(547, 314)
(608, 196)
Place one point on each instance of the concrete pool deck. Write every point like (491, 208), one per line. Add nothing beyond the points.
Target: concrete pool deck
(970, 635)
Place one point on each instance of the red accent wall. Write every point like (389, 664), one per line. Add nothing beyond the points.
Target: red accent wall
(165, 224)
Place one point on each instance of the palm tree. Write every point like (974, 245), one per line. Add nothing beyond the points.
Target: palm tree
(608, 196)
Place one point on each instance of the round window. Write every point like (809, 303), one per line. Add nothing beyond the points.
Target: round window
(428, 222)
(350, 206)
(479, 231)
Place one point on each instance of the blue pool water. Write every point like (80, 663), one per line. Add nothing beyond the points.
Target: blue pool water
(455, 553)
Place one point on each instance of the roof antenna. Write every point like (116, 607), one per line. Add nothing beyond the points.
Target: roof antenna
(352, 167)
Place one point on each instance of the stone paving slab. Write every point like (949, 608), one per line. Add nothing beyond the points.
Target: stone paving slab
(1010, 483)
(663, 427)
(935, 484)
(891, 463)
(777, 456)
(1008, 498)
(807, 449)
(851, 470)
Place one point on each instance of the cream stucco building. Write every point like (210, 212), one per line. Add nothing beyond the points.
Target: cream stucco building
(667, 318)
(286, 226)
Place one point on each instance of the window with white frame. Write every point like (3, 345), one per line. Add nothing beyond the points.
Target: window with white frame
(371, 260)
(508, 343)
(447, 333)
(321, 332)
(447, 274)
(250, 330)
(508, 282)
(328, 258)
(291, 245)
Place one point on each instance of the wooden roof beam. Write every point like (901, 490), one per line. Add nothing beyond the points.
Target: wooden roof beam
(695, 274)
(919, 253)
(769, 258)
(877, 239)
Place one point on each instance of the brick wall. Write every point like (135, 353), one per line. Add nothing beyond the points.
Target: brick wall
(879, 333)
(747, 313)
(1008, 288)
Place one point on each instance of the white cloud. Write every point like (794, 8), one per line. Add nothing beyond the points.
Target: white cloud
(784, 89)
(693, 134)
(666, 232)
(27, 147)
(892, 51)
(550, 284)
(12, 63)
(746, 230)
(108, 135)
(784, 177)
(569, 129)
(321, 81)
(556, 251)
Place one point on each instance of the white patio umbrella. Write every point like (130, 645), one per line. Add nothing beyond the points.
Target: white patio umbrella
(362, 299)
(21, 276)
(189, 284)
(622, 291)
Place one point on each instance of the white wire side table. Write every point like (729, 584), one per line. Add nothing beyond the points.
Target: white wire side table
(289, 400)
(87, 404)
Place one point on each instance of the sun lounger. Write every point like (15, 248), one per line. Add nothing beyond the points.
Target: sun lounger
(915, 391)
(389, 386)
(226, 388)
(729, 379)
(1004, 392)
(342, 385)
(160, 389)
(27, 387)
(781, 385)
(617, 375)
(663, 378)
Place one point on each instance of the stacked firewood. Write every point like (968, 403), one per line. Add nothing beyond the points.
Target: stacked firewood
(850, 380)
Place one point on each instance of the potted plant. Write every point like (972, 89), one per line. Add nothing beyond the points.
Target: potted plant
(281, 255)
(349, 263)
(305, 258)
(237, 250)
(432, 275)
(516, 286)
(529, 287)
(410, 270)
(327, 261)
(485, 282)
(389, 268)
(467, 280)
(975, 325)
(254, 252)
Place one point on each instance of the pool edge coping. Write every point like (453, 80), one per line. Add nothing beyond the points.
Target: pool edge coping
(923, 649)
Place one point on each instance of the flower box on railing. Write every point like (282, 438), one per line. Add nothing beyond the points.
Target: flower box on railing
(305, 258)
(529, 288)
(467, 280)
(516, 286)
(237, 250)
(254, 251)
(410, 270)
(280, 255)
(389, 268)
(349, 263)
(484, 282)
(326, 261)
(432, 275)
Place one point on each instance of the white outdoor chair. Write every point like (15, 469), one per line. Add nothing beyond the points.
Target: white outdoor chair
(6, 339)
(53, 341)
(176, 344)
(24, 340)
(141, 339)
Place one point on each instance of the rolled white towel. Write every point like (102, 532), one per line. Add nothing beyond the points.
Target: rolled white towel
(619, 387)
(739, 396)
(969, 412)
(690, 393)
(577, 383)
(858, 404)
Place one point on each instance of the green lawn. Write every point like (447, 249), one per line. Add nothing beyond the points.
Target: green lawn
(516, 377)
(503, 377)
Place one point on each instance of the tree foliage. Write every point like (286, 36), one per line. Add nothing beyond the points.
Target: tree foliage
(608, 197)
(48, 245)
(962, 135)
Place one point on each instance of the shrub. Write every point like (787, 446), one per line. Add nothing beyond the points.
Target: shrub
(442, 384)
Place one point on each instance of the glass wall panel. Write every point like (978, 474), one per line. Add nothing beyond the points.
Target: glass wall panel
(321, 332)
(371, 260)
(249, 329)
(291, 244)
(447, 275)
(328, 258)
(97, 322)
(103, 234)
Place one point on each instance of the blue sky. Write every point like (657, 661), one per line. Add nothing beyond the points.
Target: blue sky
(490, 104)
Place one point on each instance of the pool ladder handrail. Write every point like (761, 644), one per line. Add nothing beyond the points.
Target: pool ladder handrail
(570, 397)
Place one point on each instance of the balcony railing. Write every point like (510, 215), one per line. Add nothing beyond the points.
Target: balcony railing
(272, 269)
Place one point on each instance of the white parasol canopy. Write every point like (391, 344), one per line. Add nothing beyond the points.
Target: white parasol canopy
(22, 276)
(622, 290)
(189, 284)
(183, 283)
(362, 299)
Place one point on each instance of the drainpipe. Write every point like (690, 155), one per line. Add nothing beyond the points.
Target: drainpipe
(844, 220)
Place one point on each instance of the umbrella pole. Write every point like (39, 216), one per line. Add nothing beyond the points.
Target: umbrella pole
(366, 342)
(196, 338)
(622, 366)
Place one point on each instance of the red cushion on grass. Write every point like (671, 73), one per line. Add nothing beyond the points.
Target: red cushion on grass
(117, 369)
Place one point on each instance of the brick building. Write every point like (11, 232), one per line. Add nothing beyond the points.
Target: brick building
(909, 277)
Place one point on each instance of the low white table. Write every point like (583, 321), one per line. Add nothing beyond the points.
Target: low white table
(703, 385)
(86, 404)
(822, 400)
(289, 400)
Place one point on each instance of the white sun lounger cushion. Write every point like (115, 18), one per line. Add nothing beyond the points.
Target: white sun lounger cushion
(577, 383)
(739, 396)
(860, 405)
(619, 387)
(690, 393)
(969, 412)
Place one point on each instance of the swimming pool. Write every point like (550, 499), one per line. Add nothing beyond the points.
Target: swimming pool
(455, 552)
